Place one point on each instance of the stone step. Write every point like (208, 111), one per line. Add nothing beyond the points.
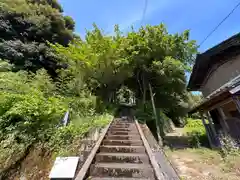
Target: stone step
(122, 149)
(122, 142)
(123, 126)
(122, 158)
(123, 133)
(116, 127)
(123, 137)
(123, 123)
(123, 129)
(122, 170)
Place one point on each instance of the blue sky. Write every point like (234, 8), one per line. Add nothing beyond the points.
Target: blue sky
(198, 16)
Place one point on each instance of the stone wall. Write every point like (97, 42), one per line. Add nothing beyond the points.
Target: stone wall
(87, 144)
(165, 165)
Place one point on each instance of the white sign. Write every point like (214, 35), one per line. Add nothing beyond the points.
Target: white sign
(64, 167)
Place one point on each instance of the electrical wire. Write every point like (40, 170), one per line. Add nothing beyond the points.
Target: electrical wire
(224, 19)
(144, 11)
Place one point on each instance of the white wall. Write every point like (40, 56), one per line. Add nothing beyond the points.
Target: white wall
(220, 75)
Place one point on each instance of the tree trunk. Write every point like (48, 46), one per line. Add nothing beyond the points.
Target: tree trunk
(155, 113)
(144, 91)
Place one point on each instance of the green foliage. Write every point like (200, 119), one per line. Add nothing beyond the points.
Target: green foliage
(103, 64)
(31, 104)
(27, 107)
(145, 113)
(10, 152)
(5, 66)
(53, 3)
(194, 99)
(25, 27)
(79, 127)
(194, 124)
(125, 95)
(97, 63)
(31, 107)
(195, 129)
(89, 75)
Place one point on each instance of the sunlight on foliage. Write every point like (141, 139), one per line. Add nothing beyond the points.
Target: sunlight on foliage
(195, 129)
(46, 70)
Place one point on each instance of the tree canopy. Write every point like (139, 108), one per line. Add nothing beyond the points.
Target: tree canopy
(148, 56)
(25, 28)
(46, 70)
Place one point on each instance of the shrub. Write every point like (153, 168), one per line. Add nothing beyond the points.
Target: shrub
(28, 106)
(78, 128)
(32, 115)
(194, 125)
(196, 131)
(31, 107)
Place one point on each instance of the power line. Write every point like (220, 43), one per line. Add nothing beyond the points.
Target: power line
(220, 24)
(144, 11)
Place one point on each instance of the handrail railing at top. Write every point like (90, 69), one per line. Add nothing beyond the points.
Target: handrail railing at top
(65, 121)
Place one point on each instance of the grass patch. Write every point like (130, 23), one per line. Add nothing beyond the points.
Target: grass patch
(204, 163)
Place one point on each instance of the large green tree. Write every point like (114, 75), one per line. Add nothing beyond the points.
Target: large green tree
(161, 60)
(139, 59)
(98, 63)
(25, 28)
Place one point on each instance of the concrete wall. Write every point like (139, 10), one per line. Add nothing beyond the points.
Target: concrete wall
(219, 75)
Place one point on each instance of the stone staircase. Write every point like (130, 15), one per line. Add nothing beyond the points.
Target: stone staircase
(121, 155)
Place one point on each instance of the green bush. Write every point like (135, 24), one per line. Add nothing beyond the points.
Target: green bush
(145, 112)
(31, 107)
(33, 115)
(78, 128)
(8, 100)
(196, 131)
(28, 105)
(194, 125)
